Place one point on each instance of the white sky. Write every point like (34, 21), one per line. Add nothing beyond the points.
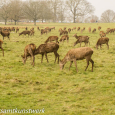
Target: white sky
(102, 5)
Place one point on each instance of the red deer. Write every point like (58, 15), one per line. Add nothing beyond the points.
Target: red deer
(99, 28)
(94, 30)
(48, 48)
(29, 52)
(26, 28)
(65, 37)
(38, 28)
(5, 34)
(102, 34)
(64, 28)
(78, 28)
(43, 31)
(13, 29)
(77, 54)
(60, 29)
(81, 39)
(32, 32)
(101, 41)
(69, 30)
(17, 29)
(1, 42)
(74, 28)
(52, 38)
(53, 28)
(89, 29)
(25, 32)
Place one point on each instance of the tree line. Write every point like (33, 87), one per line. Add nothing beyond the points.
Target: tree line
(46, 10)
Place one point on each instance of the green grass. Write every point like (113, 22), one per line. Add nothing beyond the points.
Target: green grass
(58, 92)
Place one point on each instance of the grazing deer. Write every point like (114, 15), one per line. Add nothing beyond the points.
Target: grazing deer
(78, 28)
(74, 28)
(48, 48)
(65, 37)
(29, 52)
(69, 30)
(94, 30)
(25, 32)
(101, 41)
(17, 29)
(1, 42)
(81, 39)
(89, 29)
(52, 38)
(102, 34)
(99, 28)
(5, 34)
(77, 54)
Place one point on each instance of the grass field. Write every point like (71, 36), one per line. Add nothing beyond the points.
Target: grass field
(58, 92)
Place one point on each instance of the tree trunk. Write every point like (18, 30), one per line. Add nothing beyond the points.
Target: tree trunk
(74, 19)
(15, 22)
(5, 21)
(34, 22)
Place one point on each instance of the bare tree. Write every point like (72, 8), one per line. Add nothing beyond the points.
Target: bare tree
(55, 6)
(79, 8)
(45, 10)
(15, 10)
(4, 10)
(32, 10)
(61, 11)
(108, 16)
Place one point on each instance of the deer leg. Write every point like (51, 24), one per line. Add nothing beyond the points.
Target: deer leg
(87, 63)
(55, 56)
(80, 44)
(46, 57)
(92, 63)
(107, 45)
(42, 58)
(70, 64)
(2, 50)
(75, 64)
(33, 60)
(8, 38)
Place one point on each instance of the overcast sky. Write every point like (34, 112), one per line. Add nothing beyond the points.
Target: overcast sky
(102, 5)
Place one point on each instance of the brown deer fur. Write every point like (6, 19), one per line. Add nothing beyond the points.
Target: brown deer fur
(99, 28)
(65, 37)
(52, 38)
(5, 34)
(29, 52)
(102, 34)
(1, 42)
(89, 29)
(77, 54)
(81, 39)
(48, 48)
(25, 32)
(94, 30)
(101, 41)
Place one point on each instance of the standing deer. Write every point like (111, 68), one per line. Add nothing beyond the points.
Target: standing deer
(101, 41)
(1, 42)
(52, 38)
(48, 48)
(77, 54)
(81, 39)
(29, 52)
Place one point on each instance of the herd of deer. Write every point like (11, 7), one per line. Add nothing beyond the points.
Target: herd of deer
(72, 55)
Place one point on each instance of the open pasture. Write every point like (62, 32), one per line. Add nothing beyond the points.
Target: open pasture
(45, 86)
